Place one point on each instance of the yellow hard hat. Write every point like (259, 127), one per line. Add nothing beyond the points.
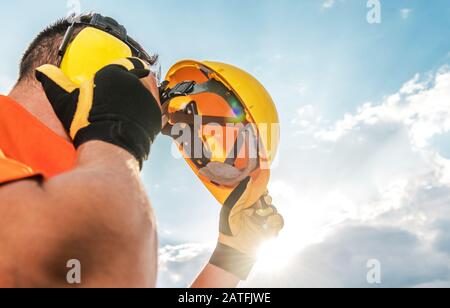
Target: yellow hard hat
(227, 102)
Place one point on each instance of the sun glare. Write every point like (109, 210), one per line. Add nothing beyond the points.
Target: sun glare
(274, 256)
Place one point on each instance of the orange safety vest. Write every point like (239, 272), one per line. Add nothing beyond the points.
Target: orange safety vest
(29, 148)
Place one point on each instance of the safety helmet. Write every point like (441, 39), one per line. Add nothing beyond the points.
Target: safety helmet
(232, 116)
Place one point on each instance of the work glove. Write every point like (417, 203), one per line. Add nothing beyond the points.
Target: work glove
(114, 107)
(243, 228)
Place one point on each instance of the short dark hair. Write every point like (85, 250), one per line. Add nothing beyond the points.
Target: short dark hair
(44, 48)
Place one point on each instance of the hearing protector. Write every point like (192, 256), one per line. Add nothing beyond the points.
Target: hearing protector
(102, 42)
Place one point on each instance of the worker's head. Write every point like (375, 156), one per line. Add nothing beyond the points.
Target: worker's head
(45, 47)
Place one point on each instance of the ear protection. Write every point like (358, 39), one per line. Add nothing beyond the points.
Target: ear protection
(102, 42)
(89, 52)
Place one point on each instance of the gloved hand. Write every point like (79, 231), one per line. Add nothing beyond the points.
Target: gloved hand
(113, 107)
(243, 229)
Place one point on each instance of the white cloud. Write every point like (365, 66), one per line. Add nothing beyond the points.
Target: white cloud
(301, 89)
(374, 187)
(179, 264)
(180, 253)
(6, 84)
(413, 220)
(277, 57)
(413, 86)
(341, 261)
(328, 4)
(421, 107)
(371, 185)
(307, 120)
(405, 13)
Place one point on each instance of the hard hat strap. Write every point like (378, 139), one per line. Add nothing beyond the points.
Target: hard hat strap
(192, 88)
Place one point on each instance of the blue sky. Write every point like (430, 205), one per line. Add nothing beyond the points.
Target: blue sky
(346, 166)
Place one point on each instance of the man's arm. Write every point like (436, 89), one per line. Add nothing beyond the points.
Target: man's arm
(241, 234)
(214, 277)
(98, 213)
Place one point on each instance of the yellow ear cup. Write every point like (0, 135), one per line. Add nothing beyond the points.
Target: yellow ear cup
(90, 51)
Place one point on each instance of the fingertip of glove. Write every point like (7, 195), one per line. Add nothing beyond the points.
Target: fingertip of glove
(276, 222)
(40, 71)
(46, 68)
(43, 67)
(135, 66)
(139, 64)
(49, 76)
(140, 73)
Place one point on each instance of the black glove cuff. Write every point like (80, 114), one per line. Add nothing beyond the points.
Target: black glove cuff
(127, 135)
(233, 261)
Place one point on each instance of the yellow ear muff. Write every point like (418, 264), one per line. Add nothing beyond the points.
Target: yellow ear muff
(90, 51)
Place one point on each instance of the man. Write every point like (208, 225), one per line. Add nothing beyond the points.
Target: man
(70, 186)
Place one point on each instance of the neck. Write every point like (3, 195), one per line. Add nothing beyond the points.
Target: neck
(31, 96)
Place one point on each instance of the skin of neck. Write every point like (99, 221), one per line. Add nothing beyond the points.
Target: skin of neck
(31, 96)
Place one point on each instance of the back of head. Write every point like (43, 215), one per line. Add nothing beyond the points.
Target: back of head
(45, 47)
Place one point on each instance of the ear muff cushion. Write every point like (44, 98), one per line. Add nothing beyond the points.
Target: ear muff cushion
(91, 50)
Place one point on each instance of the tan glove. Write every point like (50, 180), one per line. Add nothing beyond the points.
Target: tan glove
(243, 228)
